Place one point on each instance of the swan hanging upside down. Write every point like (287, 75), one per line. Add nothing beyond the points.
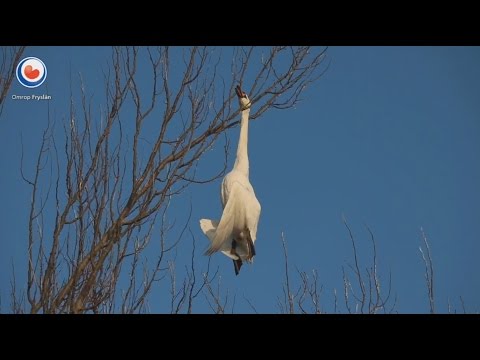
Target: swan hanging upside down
(236, 232)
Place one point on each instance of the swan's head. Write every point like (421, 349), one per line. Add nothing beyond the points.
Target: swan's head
(242, 98)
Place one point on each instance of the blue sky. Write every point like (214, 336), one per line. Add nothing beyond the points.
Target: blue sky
(389, 137)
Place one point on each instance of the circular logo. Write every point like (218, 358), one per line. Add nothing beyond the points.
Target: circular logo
(31, 72)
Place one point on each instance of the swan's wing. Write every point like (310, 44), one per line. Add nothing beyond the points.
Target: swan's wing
(253, 216)
(225, 227)
(209, 227)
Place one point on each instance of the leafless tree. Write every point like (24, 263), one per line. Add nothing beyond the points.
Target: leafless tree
(9, 58)
(362, 292)
(303, 295)
(101, 193)
(183, 295)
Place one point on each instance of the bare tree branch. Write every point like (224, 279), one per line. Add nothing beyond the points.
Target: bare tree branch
(102, 197)
(427, 260)
(9, 59)
(370, 299)
(288, 304)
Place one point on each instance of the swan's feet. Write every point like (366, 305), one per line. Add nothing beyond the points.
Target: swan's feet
(237, 264)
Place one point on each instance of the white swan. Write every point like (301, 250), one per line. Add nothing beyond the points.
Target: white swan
(236, 232)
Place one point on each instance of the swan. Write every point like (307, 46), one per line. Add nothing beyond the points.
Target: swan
(235, 234)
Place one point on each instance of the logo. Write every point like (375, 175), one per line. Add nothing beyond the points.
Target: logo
(31, 72)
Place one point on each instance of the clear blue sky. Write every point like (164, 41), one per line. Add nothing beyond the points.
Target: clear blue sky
(389, 137)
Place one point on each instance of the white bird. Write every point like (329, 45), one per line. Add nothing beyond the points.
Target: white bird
(235, 234)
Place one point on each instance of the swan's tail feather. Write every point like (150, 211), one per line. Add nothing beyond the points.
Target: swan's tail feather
(209, 227)
(222, 233)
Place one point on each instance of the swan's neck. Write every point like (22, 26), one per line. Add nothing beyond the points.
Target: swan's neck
(241, 164)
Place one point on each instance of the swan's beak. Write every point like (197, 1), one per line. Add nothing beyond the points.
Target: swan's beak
(239, 92)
